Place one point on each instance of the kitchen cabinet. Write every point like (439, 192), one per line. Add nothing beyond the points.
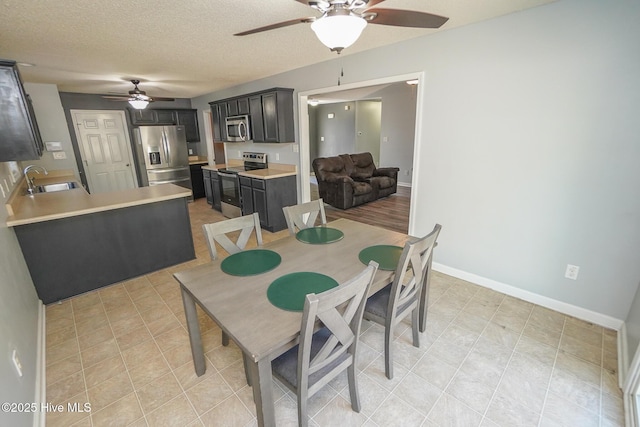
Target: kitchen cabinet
(185, 117)
(197, 181)
(275, 116)
(271, 113)
(19, 134)
(189, 119)
(216, 191)
(206, 180)
(268, 197)
(219, 118)
(232, 108)
(143, 117)
(243, 105)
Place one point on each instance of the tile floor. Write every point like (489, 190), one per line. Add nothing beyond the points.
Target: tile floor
(486, 360)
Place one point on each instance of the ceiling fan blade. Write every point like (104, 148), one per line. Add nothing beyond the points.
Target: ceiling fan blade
(278, 25)
(158, 98)
(405, 18)
(117, 97)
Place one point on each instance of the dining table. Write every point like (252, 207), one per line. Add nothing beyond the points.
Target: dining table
(240, 306)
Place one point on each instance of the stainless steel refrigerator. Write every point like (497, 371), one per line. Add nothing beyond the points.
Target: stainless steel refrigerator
(166, 157)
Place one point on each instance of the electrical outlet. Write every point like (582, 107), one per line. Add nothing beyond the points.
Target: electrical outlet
(16, 362)
(572, 272)
(277, 156)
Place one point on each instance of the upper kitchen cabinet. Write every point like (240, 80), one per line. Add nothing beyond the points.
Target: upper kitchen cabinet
(277, 116)
(219, 117)
(189, 119)
(271, 113)
(185, 117)
(153, 117)
(19, 134)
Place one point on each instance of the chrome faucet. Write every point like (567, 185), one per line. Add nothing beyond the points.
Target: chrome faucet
(30, 185)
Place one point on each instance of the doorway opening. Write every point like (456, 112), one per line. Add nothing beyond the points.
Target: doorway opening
(359, 91)
(105, 149)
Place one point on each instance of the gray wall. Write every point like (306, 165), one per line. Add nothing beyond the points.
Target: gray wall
(368, 116)
(18, 317)
(633, 327)
(528, 147)
(51, 122)
(397, 128)
(338, 132)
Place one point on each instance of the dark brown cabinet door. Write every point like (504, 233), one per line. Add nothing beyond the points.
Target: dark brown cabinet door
(143, 117)
(165, 117)
(189, 119)
(232, 108)
(270, 117)
(215, 118)
(243, 106)
(257, 124)
(19, 135)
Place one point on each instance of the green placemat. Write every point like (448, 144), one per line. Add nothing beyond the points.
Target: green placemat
(319, 235)
(251, 262)
(288, 292)
(386, 256)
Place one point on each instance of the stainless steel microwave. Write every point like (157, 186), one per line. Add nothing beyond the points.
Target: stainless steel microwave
(238, 129)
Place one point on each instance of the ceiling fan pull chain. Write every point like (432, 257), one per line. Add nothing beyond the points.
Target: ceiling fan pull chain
(341, 75)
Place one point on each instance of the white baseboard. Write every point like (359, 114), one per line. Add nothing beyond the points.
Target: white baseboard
(39, 417)
(404, 184)
(562, 307)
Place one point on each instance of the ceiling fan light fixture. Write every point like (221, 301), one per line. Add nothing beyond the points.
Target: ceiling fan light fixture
(138, 104)
(338, 31)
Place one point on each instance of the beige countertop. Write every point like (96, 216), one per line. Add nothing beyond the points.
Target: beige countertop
(273, 171)
(24, 209)
(198, 160)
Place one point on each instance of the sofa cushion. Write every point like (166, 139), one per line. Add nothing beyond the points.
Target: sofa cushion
(363, 166)
(329, 168)
(383, 181)
(361, 187)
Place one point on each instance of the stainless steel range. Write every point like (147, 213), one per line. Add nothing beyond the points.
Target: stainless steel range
(231, 204)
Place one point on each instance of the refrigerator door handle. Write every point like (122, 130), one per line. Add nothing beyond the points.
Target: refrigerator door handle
(165, 144)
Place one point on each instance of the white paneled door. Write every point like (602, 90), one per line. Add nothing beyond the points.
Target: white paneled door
(105, 148)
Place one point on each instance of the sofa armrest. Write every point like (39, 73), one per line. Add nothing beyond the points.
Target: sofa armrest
(390, 172)
(338, 179)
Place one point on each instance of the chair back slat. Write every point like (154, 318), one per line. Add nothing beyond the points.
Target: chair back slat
(217, 233)
(340, 311)
(410, 272)
(304, 215)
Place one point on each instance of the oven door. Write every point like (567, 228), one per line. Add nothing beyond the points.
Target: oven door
(230, 194)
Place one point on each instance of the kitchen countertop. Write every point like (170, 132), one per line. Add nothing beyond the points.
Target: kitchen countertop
(198, 160)
(273, 171)
(24, 209)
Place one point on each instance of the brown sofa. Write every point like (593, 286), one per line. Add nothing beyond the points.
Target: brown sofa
(350, 180)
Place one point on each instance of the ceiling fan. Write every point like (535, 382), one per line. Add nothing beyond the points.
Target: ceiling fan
(342, 21)
(136, 97)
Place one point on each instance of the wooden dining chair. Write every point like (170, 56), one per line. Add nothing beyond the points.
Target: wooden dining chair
(218, 232)
(295, 215)
(390, 305)
(321, 356)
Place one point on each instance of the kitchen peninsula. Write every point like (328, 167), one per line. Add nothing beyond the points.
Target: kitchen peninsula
(74, 242)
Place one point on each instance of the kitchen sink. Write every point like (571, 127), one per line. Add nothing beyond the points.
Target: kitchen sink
(60, 186)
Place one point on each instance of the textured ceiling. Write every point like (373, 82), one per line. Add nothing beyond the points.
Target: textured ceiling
(186, 49)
